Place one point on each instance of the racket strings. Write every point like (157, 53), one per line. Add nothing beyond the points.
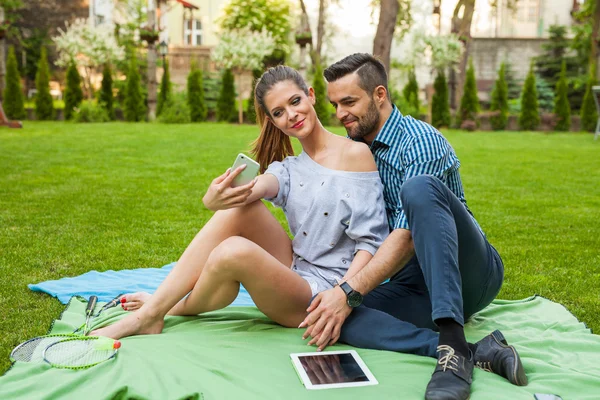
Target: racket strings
(33, 350)
(78, 353)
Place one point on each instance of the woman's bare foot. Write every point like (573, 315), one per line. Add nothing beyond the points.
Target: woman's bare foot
(138, 323)
(133, 301)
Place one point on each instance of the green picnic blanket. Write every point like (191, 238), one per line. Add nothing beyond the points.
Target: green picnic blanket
(238, 353)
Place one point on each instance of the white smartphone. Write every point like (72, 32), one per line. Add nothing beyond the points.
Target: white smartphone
(249, 173)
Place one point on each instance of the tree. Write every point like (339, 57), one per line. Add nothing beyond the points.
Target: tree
(165, 90)
(106, 93)
(500, 101)
(73, 92)
(321, 104)
(243, 51)
(272, 16)
(251, 110)
(135, 108)
(226, 101)
(195, 95)
(588, 113)
(382, 44)
(90, 46)
(562, 109)
(44, 106)
(529, 119)
(13, 94)
(440, 107)
(469, 103)
(411, 92)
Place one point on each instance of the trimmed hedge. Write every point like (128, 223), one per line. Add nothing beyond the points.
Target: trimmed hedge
(14, 105)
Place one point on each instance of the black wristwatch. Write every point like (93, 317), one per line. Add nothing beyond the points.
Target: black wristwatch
(353, 298)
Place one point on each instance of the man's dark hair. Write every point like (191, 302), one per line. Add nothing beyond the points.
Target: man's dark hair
(370, 70)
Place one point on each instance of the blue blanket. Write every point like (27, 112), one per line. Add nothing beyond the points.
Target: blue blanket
(109, 284)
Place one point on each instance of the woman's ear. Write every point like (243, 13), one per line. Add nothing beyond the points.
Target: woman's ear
(311, 96)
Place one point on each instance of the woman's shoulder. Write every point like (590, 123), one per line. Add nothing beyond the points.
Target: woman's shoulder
(357, 157)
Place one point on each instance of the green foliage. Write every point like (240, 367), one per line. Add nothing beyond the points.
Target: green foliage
(73, 92)
(529, 118)
(165, 90)
(195, 95)
(514, 86)
(270, 15)
(13, 94)
(135, 106)
(226, 110)
(250, 110)
(212, 90)
(469, 103)
(545, 94)
(588, 112)
(500, 101)
(89, 111)
(106, 92)
(44, 109)
(440, 103)
(410, 92)
(175, 110)
(321, 102)
(562, 110)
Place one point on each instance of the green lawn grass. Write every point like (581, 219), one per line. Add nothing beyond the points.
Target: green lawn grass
(77, 197)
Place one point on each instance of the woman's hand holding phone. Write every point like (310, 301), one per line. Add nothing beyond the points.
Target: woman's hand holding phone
(221, 196)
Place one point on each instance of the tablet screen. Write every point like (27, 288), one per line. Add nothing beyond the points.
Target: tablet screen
(332, 369)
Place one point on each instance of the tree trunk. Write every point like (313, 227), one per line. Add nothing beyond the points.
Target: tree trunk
(461, 26)
(382, 45)
(320, 32)
(311, 51)
(2, 59)
(594, 51)
(152, 63)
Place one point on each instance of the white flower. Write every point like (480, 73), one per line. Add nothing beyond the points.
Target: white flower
(243, 49)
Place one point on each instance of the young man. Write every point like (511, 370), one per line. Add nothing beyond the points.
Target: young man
(442, 268)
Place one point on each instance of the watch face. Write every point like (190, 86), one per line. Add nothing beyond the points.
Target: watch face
(355, 299)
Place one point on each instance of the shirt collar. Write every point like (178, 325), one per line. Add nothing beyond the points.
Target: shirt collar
(387, 134)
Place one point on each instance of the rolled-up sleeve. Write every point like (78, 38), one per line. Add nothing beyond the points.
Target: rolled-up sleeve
(428, 154)
(280, 170)
(368, 225)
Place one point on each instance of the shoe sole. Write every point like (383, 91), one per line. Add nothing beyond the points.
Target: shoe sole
(518, 373)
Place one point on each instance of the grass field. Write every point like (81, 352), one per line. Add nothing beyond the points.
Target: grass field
(75, 198)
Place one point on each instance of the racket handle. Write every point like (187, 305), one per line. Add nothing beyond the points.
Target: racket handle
(112, 303)
(91, 305)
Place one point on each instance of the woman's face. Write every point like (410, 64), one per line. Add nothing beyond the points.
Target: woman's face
(291, 110)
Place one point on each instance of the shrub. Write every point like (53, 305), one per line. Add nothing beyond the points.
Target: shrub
(469, 103)
(226, 110)
(135, 108)
(90, 112)
(321, 96)
(562, 109)
(106, 93)
(529, 118)
(250, 110)
(212, 90)
(175, 111)
(411, 96)
(165, 90)
(500, 101)
(407, 106)
(195, 95)
(588, 113)
(44, 108)
(440, 105)
(14, 106)
(73, 92)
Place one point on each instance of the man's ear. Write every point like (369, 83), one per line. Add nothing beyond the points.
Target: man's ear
(380, 95)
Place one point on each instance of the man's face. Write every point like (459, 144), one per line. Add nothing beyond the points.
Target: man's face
(354, 107)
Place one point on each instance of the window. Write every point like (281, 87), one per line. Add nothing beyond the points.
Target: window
(192, 33)
(531, 17)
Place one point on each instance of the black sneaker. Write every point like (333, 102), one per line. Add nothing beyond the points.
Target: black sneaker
(493, 354)
(452, 377)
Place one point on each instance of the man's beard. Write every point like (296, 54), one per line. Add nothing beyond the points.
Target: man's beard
(366, 124)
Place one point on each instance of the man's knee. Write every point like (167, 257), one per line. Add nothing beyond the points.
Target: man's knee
(412, 190)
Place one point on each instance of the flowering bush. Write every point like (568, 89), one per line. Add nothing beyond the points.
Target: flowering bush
(243, 49)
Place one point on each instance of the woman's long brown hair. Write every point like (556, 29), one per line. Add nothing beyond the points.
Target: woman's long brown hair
(272, 144)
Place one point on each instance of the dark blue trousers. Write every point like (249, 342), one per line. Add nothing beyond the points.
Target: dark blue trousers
(455, 273)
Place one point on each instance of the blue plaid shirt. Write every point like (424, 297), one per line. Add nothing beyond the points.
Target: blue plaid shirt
(406, 147)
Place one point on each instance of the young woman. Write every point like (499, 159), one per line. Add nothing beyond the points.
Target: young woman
(331, 195)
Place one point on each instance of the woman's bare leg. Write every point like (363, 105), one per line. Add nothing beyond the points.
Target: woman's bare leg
(253, 222)
(277, 291)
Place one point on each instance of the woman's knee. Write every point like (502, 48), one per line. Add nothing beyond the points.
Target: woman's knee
(231, 254)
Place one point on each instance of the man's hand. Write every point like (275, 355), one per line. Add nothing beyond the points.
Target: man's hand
(325, 318)
(221, 196)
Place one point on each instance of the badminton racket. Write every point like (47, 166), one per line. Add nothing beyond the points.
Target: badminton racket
(81, 352)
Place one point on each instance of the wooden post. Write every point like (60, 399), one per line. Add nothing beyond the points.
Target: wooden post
(152, 84)
(2, 59)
